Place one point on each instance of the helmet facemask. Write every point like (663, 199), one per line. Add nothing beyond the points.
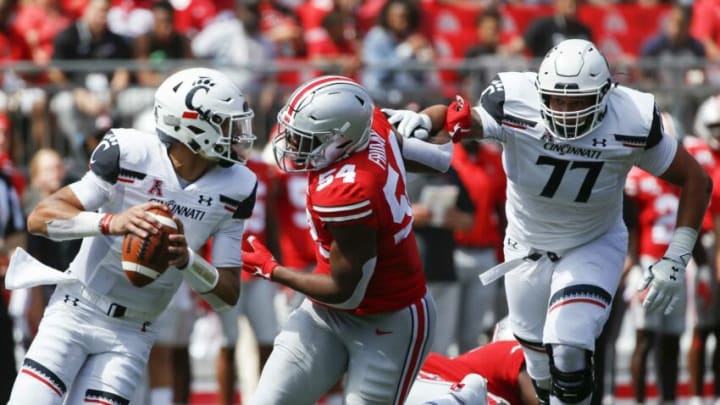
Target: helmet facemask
(574, 124)
(235, 141)
(299, 151)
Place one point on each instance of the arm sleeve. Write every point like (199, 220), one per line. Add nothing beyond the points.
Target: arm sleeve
(92, 191)
(659, 150)
(226, 244)
(658, 158)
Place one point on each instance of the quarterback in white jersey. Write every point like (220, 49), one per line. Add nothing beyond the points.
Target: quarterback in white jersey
(570, 135)
(95, 336)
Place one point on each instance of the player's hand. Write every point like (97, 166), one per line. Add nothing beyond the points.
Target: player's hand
(178, 248)
(458, 119)
(409, 124)
(665, 280)
(136, 220)
(257, 259)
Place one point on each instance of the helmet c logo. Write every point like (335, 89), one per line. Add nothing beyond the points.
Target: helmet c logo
(189, 101)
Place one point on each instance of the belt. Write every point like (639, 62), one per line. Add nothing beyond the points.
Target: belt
(110, 308)
(501, 269)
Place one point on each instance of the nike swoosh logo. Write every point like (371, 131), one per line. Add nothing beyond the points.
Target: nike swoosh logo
(380, 332)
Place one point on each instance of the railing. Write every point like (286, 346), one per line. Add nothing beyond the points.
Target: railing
(679, 84)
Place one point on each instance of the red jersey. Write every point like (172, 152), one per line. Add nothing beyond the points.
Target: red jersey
(485, 180)
(296, 245)
(256, 224)
(368, 188)
(499, 362)
(700, 150)
(657, 203)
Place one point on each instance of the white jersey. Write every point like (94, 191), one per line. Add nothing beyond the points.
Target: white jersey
(130, 167)
(562, 194)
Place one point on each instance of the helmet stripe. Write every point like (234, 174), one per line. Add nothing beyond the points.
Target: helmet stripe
(313, 85)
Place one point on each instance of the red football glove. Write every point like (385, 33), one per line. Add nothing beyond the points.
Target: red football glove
(257, 259)
(458, 119)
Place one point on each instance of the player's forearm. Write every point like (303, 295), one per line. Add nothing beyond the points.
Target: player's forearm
(319, 287)
(476, 131)
(694, 200)
(436, 113)
(62, 205)
(228, 286)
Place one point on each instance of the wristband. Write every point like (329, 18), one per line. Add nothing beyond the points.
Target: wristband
(682, 244)
(201, 275)
(83, 224)
(434, 156)
(105, 224)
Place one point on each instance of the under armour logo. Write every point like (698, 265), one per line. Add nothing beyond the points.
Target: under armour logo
(205, 200)
(673, 276)
(74, 301)
(602, 142)
(511, 243)
(156, 188)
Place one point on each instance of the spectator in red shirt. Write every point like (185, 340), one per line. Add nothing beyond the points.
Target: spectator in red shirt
(130, 18)
(28, 100)
(39, 22)
(705, 26)
(336, 47)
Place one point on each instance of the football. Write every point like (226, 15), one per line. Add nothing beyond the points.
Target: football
(145, 259)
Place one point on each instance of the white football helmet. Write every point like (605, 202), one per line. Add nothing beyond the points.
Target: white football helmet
(707, 122)
(574, 68)
(323, 121)
(203, 109)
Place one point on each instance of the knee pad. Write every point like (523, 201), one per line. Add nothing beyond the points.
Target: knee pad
(574, 386)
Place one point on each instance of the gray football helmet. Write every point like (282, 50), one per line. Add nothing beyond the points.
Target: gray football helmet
(323, 121)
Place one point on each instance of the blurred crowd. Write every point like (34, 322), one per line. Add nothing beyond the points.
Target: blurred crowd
(71, 69)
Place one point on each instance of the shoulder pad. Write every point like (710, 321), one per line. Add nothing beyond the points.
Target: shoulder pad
(492, 98)
(340, 201)
(105, 159)
(240, 197)
(513, 97)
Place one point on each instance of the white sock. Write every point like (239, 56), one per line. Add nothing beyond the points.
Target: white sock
(161, 396)
(695, 400)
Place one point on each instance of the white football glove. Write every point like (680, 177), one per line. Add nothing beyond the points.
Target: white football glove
(409, 124)
(666, 279)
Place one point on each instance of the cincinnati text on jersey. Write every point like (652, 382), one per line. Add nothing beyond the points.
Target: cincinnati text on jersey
(567, 149)
(177, 209)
